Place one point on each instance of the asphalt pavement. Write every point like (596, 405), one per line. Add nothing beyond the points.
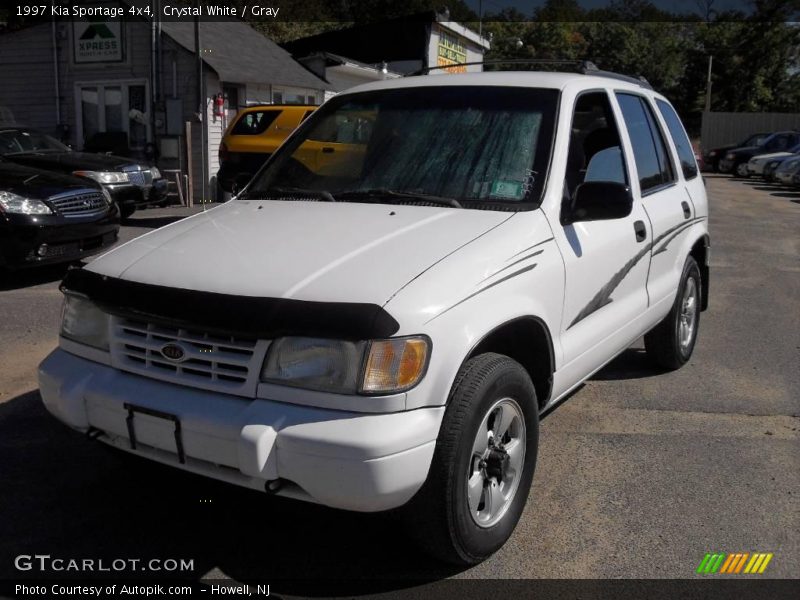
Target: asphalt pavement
(640, 472)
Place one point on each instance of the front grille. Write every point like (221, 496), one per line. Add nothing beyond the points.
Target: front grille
(140, 178)
(80, 204)
(209, 361)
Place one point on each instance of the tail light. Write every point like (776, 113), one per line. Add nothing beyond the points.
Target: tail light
(223, 152)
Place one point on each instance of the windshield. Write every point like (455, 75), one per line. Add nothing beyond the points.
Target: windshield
(16, 141)
(476, 147)
(755, 139)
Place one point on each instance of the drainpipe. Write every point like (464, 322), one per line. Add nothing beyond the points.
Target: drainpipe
(160, 61)
(55, 67)
(153, 77)
(201, 105)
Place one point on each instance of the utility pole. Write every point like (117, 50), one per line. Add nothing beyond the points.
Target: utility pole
(708, 84)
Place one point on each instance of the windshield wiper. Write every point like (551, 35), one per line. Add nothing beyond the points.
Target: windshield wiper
(381, 192)
(318, 194)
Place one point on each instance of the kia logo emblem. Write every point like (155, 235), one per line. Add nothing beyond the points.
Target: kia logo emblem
(173, 352)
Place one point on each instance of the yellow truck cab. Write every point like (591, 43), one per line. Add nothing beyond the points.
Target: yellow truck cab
(252, 136)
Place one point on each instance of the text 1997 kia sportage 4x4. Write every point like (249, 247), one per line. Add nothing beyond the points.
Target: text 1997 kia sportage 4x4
(385, 332)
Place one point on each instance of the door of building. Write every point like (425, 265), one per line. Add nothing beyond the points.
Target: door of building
(114, 106)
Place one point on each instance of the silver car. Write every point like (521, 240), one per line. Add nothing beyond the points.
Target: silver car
(787, 169)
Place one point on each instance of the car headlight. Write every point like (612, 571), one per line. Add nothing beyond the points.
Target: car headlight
(14, 203)
(104, 176)
(372, 367)
(83, 322)
(155, 173)
(730, 156)
(712, 153)
(394, 365)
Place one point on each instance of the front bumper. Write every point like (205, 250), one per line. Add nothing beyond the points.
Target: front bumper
(755, 168)
(725, 165)
(125, 194)
(354, 461)
(157, 192)
(66, 238)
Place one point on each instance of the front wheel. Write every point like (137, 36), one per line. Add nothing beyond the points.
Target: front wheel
(741, 170)
(483, 463)
(670, 343)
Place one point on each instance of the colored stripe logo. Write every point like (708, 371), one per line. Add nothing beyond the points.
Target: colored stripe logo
(735, 563)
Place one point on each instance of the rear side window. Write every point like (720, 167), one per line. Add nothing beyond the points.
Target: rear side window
(680, 139)
(649, 149)
(255, 122)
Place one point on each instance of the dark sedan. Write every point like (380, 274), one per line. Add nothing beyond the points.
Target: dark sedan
(46, 217)
(712, 157)
(735, 161)
(129, 183)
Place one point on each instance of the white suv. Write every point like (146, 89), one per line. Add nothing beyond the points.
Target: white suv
(379, 318)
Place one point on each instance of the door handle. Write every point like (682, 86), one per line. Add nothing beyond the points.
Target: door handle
(640, 230)
(687, 212)
(327, 150)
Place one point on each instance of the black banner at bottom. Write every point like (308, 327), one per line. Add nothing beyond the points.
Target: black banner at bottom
(457, 589)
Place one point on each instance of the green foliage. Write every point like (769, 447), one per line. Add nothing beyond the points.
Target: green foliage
(756, 57)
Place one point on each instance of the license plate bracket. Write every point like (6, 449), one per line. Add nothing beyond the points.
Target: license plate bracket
(133, 409)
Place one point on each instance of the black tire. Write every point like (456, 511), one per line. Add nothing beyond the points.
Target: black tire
(740, 170)
(663, 342)
(439, 516)
(126, 211)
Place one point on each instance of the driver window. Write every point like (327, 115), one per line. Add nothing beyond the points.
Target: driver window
(595, 152)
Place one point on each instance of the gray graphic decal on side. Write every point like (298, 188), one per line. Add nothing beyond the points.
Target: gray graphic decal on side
(603, 296)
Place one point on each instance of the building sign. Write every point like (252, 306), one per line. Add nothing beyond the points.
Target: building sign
(97, 41)
(451, 52)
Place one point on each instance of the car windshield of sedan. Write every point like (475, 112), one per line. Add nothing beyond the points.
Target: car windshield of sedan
(19, 141)
(462, 146)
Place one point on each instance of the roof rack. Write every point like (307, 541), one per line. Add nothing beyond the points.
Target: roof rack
(586, 67)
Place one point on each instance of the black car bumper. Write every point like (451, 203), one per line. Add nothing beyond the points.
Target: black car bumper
(125, 195)
(128, 194)
(158, 191)
(28, 240)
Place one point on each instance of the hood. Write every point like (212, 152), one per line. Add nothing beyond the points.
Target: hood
(321, 251)
(744, 150)
(770, 156)
(36, 183)
(722, 149)
(72, 161)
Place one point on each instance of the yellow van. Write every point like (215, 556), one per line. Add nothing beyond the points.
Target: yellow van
(253, 135)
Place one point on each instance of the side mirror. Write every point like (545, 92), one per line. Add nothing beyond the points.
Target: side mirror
(240, 181)
(600, 201)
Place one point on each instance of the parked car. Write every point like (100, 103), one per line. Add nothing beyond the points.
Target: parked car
(715, 155)
(735, 160)
(774, 164)
(46, 217)
(251, 138)
(787, 169)
(129, 183)
(757, 164)
(386, 334)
